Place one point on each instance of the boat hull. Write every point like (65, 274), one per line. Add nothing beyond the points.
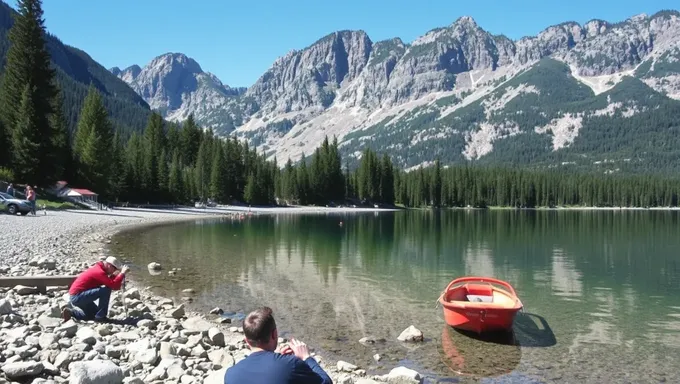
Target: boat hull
(480, 321)
(492, 308)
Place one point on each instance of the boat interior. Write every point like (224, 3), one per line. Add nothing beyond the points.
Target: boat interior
(480, 293)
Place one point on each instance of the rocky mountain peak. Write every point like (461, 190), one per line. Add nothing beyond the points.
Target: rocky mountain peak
(176, 86)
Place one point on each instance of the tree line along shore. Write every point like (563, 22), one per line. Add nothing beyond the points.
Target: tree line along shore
(179, 163)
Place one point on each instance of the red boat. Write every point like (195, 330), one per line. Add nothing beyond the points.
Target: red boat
(476, 304)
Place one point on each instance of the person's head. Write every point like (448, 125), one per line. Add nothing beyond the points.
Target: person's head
(111, 265)
(259, 328)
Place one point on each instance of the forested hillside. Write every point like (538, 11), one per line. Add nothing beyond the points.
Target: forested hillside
(75, 71)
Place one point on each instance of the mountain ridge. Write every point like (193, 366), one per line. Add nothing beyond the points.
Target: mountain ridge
(344, 83)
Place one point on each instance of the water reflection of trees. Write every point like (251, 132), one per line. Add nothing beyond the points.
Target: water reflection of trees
(605, 247)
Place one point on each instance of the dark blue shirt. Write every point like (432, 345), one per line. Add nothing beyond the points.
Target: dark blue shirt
(264, 367)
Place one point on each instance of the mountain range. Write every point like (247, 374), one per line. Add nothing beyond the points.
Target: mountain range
(599, 94)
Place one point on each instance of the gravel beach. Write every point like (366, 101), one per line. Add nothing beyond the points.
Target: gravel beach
(170, 345)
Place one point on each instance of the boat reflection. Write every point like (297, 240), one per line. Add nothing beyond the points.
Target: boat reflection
(494, 353)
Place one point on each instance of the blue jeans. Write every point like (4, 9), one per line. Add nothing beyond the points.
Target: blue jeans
(84, 308)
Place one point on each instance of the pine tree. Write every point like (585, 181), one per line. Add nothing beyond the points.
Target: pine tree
(153, 145)
(250, 191)
(175, 179)
(26, 143)
(60, 156)
(436, 185)
(96, 159)
(218, 173)
(28, 65)
(5, 144)
(163, 175)
(190, 140)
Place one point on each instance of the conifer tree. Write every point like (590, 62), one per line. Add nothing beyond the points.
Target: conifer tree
(250, 191)
(175, 178)
(28, 65)
(60, 157)
(163, 175)
(5, 144)
(96, 157)
(218, 183)
(26, 143)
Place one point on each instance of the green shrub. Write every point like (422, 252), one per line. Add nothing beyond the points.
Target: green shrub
(6, 175)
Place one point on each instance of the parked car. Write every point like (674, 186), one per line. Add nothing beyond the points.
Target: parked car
(13, 205)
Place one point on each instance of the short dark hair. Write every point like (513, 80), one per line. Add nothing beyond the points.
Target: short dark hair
(259, 325)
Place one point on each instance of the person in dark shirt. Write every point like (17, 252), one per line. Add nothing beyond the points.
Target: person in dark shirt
(265, 366)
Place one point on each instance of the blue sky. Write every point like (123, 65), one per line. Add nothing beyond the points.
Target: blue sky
(238, 40)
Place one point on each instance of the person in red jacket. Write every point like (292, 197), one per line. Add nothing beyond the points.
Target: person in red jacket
(95, 283)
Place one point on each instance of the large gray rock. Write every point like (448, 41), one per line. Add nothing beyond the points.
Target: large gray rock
(5, 307)
(216, 377)
(22, 369)
(95, 372)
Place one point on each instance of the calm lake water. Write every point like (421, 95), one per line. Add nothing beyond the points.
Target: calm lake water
(601, 289)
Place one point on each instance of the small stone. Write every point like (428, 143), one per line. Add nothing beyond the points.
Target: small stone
(402, 373)
(178, 312)
(216, 311)
(216, 337)
(344, 366)
(5, 307)
(25, 290)
(411, 334)
(147, 324)
(154, 266)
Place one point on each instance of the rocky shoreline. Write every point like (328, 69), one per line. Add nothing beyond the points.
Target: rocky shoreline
(169, 344)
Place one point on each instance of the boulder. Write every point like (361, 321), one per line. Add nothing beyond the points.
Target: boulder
(95, 372)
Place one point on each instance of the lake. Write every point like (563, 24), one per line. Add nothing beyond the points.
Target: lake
(601, 289)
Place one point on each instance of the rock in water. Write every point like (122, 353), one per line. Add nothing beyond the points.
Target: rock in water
(411, 334)
(95, 372)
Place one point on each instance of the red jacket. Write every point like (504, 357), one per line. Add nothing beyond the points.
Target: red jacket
(94, 277)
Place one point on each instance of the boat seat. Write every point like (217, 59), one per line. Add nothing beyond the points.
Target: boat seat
(481, 293)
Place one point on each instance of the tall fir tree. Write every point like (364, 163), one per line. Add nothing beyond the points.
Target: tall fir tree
(5, 144)
(25, 140)
(218, 173)
(96, 159)
(175, 181)
(60, 156)
(28, 64)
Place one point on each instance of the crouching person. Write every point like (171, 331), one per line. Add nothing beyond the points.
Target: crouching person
(264, 365)
(95, 283)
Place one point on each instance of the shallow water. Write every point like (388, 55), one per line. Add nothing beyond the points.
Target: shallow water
(601, 289)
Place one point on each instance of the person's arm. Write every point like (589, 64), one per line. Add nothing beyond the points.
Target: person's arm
(114, 283)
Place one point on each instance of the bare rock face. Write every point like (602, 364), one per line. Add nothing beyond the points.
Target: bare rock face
(176, 86)
(345, 82)
(310, 77)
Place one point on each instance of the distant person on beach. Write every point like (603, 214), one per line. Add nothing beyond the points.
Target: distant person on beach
(293, 365)
(96, 282)
(30, 196)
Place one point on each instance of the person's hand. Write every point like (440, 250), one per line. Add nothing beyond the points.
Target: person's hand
(299, 349)
(286, 350)
(125, 269)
